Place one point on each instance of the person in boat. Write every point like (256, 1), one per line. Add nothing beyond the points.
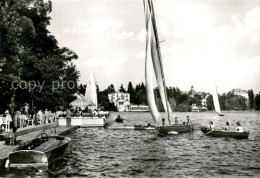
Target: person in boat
(150, 125)
(163, 121)
(211, 125)
(239, 128)
(227, 126)
(177, 121)
(188, 120)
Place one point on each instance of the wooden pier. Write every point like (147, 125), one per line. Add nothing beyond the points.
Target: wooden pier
(26, 135)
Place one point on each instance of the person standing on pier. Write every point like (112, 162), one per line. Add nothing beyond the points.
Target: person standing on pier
(68, 117)
(8, 120)
(39, 116)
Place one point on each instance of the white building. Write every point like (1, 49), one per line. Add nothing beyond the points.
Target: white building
(121, 100)
(240, 92)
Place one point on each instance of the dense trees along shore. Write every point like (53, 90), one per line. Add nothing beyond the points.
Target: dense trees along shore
(181, 101)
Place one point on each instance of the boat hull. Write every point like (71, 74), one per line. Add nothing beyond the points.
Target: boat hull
(164, 130)
(141, 127)
(39, 155)
(119, 120)
(224, 133)
(84, 121)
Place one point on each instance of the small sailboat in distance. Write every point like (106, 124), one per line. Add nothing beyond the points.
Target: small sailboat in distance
(153, 65)
(216, 102)
(91, 92)
(94, 118)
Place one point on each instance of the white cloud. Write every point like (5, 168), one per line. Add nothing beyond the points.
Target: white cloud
(141, 55)
(106, 61)
(118, 36)
(101, 27)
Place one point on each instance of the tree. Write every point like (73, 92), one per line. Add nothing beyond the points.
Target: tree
(28, 52)
(140, 94)
(222, 101)
(183, 107)
(257, 101)
(121, 89)
(131, 91)
(103, 98)
(251, 99)
(210, 103)
(236, 103)
(173, 104)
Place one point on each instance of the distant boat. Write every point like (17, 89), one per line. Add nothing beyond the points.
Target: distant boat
(119, 119)
(95, 118)
(139, 108)
(40, 152)
(153, 64)
(224, 133)
(216, 102)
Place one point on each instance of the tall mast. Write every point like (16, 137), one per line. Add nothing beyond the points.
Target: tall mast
(160, 57)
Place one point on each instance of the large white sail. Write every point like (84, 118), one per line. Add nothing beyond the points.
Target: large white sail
(149, 77)
(156, 56)
(215, 100)
(91, 92)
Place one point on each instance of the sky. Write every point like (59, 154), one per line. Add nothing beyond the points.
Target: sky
(207, 42)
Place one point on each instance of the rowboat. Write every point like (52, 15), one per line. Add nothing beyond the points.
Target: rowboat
(119, 119)
(40, 152)
(224, 133)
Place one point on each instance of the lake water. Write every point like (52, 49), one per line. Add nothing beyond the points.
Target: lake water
(100, 152)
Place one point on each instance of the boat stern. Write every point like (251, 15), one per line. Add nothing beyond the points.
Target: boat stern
(27, 158)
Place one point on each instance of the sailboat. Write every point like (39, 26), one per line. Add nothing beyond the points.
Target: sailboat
(91, 93)
(216, 102)
(92, 119)
(153, 65)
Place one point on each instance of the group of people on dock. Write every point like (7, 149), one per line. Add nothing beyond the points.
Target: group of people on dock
(227, 127)
(22, 118)
(79, 112)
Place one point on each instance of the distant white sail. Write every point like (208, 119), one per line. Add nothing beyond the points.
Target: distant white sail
(91, 91)
(215, 100)
(149, 77)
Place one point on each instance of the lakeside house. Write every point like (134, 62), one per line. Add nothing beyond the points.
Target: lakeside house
(239, 92)
(120, 100)
(203, 104)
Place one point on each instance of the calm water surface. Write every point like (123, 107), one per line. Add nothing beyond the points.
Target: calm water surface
(100, 152)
